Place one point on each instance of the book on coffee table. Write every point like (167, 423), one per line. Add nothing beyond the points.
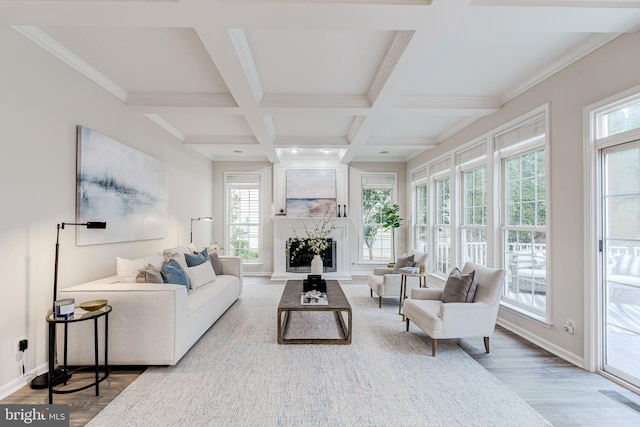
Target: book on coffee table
(317, 298)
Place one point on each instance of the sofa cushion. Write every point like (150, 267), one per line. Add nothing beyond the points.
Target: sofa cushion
(177, 253)
(200, 274)
(149, 274)
(128, 269)
(172, 272)
(459, 287)
(215, 261)
(196, 259)
(403, 261)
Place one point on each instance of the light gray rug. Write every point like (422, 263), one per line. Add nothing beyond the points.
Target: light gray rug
(237, 375)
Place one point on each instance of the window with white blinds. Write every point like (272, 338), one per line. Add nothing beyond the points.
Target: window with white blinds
(486, 202)
(529, 132)
(377, 191)
(522, 151)
(243, 215)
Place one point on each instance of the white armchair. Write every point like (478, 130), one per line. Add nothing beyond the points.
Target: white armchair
(460, 319)
(385, 283)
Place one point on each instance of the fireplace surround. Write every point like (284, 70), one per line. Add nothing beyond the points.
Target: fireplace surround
(300, 262)
(285, 228)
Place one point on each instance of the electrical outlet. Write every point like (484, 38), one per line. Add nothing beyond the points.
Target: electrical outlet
(570, 326)
(19, 344)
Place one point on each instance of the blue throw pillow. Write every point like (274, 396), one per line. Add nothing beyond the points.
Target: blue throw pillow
(196, 259)
(173, 273)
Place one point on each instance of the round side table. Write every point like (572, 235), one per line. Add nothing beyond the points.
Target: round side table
(403, 287)
(79, 315)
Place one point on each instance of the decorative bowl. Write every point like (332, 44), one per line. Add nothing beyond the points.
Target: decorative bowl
(93, 305)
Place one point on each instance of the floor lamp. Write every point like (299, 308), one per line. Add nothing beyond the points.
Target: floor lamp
(202, 218)
(58, 376)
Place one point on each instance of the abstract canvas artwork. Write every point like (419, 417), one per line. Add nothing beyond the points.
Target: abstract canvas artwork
(311, 192)
(122, 186)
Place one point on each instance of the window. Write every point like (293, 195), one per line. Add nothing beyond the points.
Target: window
(440, 175)
(473, 221)
(422, 218)
(243, 216)
(377, 192)
(487, 203)
(420, 187)
(620, 119)
(522, 152)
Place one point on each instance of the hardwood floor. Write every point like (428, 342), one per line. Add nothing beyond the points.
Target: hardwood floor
(561, 392)
(83, 405)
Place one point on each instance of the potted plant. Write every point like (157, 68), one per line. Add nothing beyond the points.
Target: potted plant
(391, 220)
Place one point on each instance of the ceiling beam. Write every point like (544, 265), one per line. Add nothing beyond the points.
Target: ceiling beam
(232, 66)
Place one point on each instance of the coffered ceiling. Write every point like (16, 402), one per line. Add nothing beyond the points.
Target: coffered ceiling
(353, 80)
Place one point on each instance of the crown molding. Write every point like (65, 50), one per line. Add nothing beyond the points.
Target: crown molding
(42, 39)
(403, 143)
(457, 128)
(166, 126)
(466, 105)
(220, 140)
(576, 53)
(210, 100)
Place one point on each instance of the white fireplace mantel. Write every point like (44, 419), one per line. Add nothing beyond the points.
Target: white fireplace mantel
(283, 230)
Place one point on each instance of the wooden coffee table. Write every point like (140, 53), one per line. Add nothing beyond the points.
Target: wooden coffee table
(338, 304)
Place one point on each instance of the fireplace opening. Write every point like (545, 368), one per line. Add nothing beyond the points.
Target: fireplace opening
(300, 262)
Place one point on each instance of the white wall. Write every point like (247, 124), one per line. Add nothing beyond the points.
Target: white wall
(611, 69)
(42, 100)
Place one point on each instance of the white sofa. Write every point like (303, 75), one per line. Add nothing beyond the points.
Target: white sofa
(151, 323)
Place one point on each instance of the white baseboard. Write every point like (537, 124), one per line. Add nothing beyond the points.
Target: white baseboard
(540, 342)
(16, 384)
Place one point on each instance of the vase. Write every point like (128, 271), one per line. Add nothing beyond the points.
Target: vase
(316, 265)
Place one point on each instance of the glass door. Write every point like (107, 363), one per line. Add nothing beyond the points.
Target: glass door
(620, 175)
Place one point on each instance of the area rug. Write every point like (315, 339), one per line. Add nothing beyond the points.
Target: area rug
(237, 375)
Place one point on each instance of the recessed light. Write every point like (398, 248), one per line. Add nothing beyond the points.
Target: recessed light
(384, 152)
(294, 150)
(237, 151)
(326, 151)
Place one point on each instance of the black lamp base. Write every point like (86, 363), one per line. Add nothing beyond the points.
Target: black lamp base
(42, 381)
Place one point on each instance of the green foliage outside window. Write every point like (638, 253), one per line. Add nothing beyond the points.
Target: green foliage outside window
(374, 201)
(244, 223)
(526, 189)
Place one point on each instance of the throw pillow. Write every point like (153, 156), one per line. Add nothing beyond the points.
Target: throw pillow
(177, 254)
(215, 261)
(406, 261)
(149, 274)
(196, 259)
(173, 273)
(200, 274)
(127, 269)
(459, 287)
(420, 258)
